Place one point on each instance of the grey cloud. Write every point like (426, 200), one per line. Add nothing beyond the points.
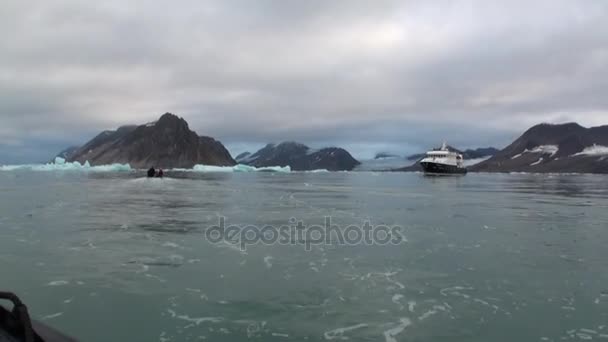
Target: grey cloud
(391, 75)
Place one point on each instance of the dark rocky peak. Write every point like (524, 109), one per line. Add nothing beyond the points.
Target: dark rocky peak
(599, 135)
(171, 122)
(126, 129)
(300, 157)
(546, 131)
(291, 147)
(167, 143)
(480, 152)
(385, 155)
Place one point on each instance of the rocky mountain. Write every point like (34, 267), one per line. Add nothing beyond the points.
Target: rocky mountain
(67, 153)
(242, 156)
(166, 143)
(301, 157)
(553, 148)
(480, 152)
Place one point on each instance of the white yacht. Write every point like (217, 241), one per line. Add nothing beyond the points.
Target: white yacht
(443, 161)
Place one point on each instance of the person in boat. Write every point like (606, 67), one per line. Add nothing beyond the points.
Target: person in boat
(159, 173)
(151, 172)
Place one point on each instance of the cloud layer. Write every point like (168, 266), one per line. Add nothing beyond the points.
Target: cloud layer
(369, 75)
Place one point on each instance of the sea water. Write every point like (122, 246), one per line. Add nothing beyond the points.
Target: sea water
(114, 256)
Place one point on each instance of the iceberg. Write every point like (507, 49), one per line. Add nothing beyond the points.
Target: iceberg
(235, 168)
(61, 165)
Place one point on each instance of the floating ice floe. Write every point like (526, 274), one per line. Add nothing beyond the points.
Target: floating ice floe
(61, 165)
(235, 168)
(595, 150)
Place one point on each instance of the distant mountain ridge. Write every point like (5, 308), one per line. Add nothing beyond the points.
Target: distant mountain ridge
(166, 143)
(68, 152)
(545, 148)
(300, 157)
(385, 155)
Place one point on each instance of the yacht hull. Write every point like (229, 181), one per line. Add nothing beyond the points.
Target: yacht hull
(440, 168)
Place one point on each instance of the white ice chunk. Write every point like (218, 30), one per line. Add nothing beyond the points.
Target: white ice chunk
(67, 166)
(236, 168)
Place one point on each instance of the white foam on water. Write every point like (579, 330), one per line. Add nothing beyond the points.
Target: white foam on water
(194, 320)
(58, 283)
(232, 246)
(389, 335)
(51, 316)
(411, 305)
(68, 301)
(396, 298)
(268, 261)
(152, 276)
(339, 333)
(163, 337)
(279, 335)
(171, 245)
(389, 278)
(455, 290)
(436, 309)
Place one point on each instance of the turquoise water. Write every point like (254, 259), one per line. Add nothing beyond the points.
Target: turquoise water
(116, 257)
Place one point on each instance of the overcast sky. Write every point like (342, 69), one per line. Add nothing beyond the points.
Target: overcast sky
(396, 76)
